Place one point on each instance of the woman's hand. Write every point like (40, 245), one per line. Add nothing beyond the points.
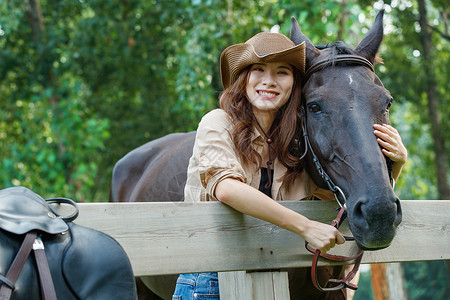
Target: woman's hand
(390, 140)
(392, 146)
(322, 236)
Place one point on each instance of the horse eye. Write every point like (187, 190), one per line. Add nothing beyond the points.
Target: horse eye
(389, 105)
(314, 108)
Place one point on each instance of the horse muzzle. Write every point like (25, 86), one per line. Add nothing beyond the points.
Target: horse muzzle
(374, 223)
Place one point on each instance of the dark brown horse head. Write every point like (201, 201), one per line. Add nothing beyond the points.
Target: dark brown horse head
(343, 99)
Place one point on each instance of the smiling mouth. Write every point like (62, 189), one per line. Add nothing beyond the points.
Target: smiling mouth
(268, 94)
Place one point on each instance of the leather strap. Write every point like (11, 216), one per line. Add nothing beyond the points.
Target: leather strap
(17, 265)
(31, 241)
(339, 283)
(343, 58)
(6, 281)
(60, 201)
(45, 277)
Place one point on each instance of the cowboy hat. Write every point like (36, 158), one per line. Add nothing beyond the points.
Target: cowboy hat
(264, 47)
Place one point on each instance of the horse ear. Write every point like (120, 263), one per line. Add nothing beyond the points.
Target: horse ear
(298, 37)
(369, 45)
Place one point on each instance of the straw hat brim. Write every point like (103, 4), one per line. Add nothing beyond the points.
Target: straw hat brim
(237, 57)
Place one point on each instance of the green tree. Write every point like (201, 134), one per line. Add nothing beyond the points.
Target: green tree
(48, 134)
(426, 135)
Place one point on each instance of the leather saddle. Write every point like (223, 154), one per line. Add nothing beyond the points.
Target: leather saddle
(70, 261)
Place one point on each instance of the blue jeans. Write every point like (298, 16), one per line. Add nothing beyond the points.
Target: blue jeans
(197, 286)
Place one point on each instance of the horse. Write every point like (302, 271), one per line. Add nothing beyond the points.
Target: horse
(342, 99)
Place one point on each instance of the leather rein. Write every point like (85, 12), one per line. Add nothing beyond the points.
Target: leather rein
(338, 284)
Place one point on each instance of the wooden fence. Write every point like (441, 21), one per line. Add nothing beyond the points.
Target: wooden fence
(173, 238)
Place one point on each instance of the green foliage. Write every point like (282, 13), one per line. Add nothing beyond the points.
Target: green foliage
(49, 147)
(364, 291)
(417, 180)
(403, 75)
(426, 280)
(48, 134)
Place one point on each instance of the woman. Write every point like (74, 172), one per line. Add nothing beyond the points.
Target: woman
(241, 154)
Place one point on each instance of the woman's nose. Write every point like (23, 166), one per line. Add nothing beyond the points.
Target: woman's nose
(268, 80)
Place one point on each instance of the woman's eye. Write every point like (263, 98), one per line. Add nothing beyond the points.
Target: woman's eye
(314, 108)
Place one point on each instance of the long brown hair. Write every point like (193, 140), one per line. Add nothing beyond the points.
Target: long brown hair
(234, 101)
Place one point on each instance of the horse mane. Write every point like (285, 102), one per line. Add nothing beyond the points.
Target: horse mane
(339, 48)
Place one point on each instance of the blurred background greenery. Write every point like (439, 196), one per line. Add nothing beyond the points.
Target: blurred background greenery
(82, 82)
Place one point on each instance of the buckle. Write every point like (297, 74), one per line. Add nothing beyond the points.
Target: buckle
(38, 244)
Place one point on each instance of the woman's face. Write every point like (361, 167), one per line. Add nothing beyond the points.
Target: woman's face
(269, 86)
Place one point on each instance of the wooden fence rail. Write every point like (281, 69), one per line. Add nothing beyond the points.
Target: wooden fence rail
(173, 238)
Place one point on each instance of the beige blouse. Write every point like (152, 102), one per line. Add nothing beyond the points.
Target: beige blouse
(214, 158)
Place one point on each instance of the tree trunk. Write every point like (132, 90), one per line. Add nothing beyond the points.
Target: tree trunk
(38, 31)
(35, 18)
(380, 287)
(388, 282)
(441, 157)
(342, 20)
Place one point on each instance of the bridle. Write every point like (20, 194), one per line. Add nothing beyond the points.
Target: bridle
(342, 201)
(341, 58)
(337, 191)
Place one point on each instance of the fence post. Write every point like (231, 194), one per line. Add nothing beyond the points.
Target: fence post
(271, 285)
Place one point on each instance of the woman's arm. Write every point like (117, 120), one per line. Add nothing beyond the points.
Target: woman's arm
(250, 201)
(391, 142)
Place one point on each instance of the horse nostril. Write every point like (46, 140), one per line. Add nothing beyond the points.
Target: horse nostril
(398, 217)
(359, 216)
(358, 210)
